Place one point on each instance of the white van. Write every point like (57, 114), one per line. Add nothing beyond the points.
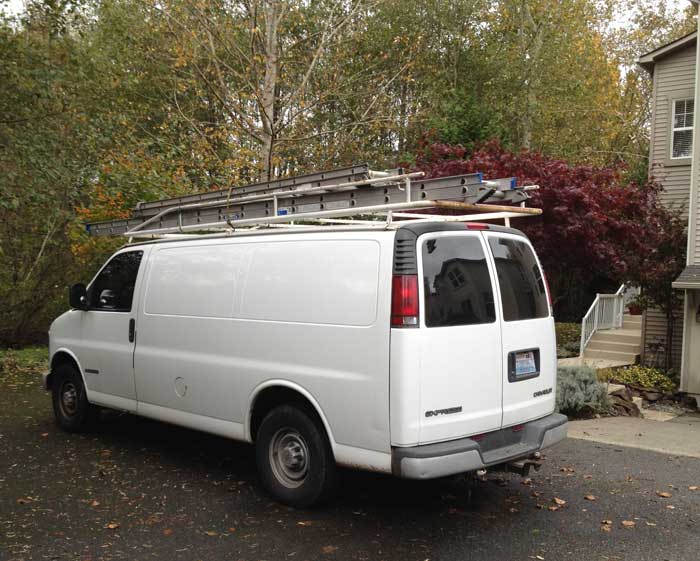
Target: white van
(423, 350)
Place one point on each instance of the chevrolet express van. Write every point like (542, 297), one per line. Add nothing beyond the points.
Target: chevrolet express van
(422, 350)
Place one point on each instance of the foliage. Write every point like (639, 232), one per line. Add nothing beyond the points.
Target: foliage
(644, 377)
(579, 393)
(656, 268)
(568, 332)
(568, 339)
(104, 103)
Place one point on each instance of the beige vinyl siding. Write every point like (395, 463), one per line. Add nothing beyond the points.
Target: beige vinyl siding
(674, 78)
(655, 335)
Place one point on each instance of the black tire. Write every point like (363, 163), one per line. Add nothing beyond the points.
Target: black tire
(294, 458)
(71, 408)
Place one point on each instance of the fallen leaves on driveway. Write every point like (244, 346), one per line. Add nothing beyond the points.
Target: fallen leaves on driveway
(629, 523)
(663, 494)
(112, 525)
(591, 498)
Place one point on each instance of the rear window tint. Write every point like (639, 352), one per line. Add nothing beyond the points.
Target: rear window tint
(457, 284)
(523, 294)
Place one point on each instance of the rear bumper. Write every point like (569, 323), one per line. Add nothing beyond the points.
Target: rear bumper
(459, 456)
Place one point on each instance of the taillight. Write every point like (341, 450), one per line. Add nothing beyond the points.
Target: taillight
(404, 301)
(476, 226)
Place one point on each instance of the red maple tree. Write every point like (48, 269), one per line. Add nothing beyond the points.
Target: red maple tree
(596, 227)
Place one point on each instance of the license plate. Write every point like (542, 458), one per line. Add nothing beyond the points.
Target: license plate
(525, 363)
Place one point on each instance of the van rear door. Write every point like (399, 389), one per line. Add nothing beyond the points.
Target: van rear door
(460, 337)
(527, 332)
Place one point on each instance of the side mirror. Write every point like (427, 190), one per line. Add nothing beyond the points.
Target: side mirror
(77, 297)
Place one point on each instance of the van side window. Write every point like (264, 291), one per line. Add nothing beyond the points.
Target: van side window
(523, 294)
(456, 281)
(113, 289)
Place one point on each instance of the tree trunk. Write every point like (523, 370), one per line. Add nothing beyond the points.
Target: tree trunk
(531, 39)
(272, 10)
(670, 325)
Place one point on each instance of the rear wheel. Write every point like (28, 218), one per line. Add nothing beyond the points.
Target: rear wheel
(71, 408)
(294, 458)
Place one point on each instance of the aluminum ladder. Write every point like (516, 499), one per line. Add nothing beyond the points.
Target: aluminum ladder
(352, 195)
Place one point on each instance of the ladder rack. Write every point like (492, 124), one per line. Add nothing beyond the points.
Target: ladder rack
(352, 196)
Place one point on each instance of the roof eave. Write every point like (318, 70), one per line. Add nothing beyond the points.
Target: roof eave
(648, 60)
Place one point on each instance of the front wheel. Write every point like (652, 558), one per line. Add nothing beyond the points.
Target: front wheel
(71, 408)
(294, 458)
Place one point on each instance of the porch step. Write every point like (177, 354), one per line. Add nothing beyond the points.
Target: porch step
(626, 358)
(631, 322)
(618, 336)
(623, 347)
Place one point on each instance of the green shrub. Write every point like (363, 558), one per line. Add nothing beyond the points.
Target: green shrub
(568, 350)
(567, 334)
(579, 393)
(644, 377)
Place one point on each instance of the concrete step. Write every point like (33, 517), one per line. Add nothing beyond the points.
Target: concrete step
(633, 348)
(632, 320)
(627, 358)
(632, 326)
(618, 336)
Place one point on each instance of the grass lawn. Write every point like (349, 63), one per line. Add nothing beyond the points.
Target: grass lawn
(29, 360)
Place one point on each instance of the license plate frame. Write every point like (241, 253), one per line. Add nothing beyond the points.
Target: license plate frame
(523, 364)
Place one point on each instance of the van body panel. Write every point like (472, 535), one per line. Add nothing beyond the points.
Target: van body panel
(523, 294)
(405, 380)
(105, 351)
(210, 366)
(532, 398)
(461, 385)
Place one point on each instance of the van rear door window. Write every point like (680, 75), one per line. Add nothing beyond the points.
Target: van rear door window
(456, 281)
(523, 294)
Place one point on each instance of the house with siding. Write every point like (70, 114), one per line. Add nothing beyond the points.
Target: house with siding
(673, 71)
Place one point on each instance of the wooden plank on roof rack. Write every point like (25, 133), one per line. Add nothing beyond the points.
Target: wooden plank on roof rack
(486, 207)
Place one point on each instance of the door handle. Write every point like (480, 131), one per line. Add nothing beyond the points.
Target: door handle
(132, 329)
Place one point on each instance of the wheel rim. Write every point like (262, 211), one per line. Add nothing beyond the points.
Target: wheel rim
(289, 457)
(68, 399)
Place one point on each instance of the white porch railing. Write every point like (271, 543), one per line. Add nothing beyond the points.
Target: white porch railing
(606, 312)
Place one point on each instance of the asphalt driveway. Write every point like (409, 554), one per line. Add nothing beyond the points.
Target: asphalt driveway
(137, 489)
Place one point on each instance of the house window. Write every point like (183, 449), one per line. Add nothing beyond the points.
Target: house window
(456, 278)
(682, 134)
